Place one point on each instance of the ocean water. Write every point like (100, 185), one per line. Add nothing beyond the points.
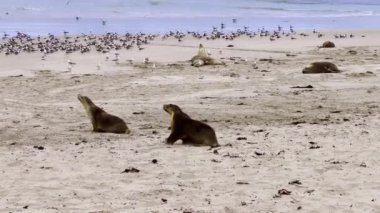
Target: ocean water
(40, 17)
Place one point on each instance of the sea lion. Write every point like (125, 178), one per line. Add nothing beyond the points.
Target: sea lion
(328, 44)
(321, 67)
(191, 132)
(202, 58)
(101, 120)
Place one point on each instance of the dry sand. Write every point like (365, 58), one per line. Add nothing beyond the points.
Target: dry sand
(327, 137)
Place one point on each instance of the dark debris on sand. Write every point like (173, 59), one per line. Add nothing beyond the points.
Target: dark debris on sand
(131, 170)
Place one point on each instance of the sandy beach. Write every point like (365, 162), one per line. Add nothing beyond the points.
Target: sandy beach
(283, 149)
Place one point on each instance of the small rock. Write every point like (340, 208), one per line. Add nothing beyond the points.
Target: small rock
(131, 170)
(259, 153)
(336, 111)
(314, 146)
(352, 52)
(295, 182)
(270, 60)
(284, 192)
(242, 183)
(298, 122)
(290, 55)
(303, 87)
(215, 161)
(241, 138)
(234, 75)
(154, 161)
(363, 165)
(39, 147)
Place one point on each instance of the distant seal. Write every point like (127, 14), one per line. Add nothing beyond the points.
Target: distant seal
(101, 120)
(202, 58)
(328, 44)
(321, 67)
(190, 131)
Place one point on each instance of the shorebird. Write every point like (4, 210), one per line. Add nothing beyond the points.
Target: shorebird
(69, 67)
(69, 62)
(131, 60)
(254, 65)
(116, 60)
(117, 55)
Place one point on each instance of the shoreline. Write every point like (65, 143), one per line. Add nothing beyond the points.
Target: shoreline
(203, 24)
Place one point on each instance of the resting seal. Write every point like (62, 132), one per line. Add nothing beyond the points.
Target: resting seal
(202, 58)
(190, 131)
(101, 120)
(321, 67)
(328, 44)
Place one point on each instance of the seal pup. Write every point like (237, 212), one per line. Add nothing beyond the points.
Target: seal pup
(101, 120)
(202, 58)
(191, 132)
(321, 67)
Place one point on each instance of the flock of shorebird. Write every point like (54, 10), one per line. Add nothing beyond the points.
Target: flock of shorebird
(114, 41)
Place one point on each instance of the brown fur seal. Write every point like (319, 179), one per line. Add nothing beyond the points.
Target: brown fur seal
(101, 120)
(328, 44)
(321, 67)
(190, 131)
(202, 58)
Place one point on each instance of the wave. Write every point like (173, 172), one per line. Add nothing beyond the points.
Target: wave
(326, 2)
(260, 8)
(30, 8)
